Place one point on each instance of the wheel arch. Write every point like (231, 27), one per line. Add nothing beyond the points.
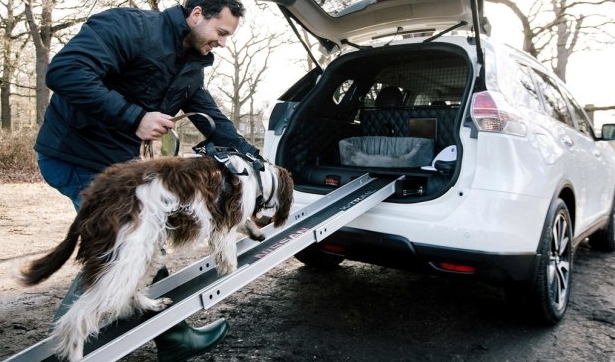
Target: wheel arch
(567, 194)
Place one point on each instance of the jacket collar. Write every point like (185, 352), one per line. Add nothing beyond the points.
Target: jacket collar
(175, 16)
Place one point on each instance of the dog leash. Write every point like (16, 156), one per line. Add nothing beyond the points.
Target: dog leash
(148, 149)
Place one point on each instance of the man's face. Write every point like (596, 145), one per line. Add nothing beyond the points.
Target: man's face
(207, 34)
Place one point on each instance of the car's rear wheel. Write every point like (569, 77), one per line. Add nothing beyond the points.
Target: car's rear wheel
(605, 239)
(546, 296)
(313, 256)
(551, 286)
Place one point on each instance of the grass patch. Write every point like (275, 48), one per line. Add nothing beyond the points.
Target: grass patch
(17, 158)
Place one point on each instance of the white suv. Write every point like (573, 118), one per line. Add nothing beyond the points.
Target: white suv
(504, 172)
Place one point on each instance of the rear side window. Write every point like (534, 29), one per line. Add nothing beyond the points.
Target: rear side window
(528, 95)
(554, 102)
(580, 117)
(341, 91)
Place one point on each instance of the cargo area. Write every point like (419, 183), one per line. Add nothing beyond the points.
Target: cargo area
(378, 112)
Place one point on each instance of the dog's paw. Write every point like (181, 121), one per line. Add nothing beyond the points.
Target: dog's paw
(258, 236)
(225, 268)
(252, 230)
(162, 304)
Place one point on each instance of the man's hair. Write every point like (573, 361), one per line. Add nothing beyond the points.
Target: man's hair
(211, 8)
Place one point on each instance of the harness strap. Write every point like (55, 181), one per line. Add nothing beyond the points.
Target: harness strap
(273, 187)
(260, 202)
(222, 155)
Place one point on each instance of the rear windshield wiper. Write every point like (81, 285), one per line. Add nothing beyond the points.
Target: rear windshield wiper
(430, 39)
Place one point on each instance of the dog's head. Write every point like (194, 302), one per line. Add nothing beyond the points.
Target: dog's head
(266, 192)
(278, 191)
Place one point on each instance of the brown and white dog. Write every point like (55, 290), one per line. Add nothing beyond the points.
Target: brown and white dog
(131, 210)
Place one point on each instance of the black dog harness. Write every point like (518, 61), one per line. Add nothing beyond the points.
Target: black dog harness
(222, 156)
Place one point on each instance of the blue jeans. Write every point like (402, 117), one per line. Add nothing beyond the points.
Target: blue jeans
(65, 177)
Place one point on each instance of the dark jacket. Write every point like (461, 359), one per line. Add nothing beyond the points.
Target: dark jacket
(122, 63)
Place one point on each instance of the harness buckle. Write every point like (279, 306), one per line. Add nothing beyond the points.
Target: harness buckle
(222, 157)
(257, 164)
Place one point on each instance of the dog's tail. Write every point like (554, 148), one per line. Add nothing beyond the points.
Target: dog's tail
(38, 270)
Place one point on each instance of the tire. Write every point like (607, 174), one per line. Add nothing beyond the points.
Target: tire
(550, 289)
(605, 239)
(543, 299)
(314, 257)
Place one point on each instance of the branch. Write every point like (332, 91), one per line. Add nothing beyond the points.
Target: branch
(68, 24)
(592, 108)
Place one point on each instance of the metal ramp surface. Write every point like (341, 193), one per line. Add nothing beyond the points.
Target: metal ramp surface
(199, 287)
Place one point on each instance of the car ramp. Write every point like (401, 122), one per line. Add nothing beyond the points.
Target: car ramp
(199, 287)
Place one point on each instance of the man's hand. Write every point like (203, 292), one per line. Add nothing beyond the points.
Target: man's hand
(154, 125)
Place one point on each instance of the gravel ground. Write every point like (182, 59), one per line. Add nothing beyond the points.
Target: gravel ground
(357, 313)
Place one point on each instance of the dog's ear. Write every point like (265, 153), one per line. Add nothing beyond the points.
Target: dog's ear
(284, 196)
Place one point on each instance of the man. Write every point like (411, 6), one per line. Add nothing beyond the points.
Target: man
(118, 82)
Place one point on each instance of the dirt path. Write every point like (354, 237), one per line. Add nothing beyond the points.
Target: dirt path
(358, 313)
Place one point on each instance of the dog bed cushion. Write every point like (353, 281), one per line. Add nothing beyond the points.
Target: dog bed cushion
(380, 151)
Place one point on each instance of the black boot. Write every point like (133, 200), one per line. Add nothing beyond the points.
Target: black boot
(181, 341)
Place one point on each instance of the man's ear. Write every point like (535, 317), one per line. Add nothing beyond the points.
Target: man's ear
(195, 15)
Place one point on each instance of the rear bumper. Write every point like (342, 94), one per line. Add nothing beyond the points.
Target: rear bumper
(397, 252)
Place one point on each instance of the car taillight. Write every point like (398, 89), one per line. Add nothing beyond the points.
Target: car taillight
(491, 112)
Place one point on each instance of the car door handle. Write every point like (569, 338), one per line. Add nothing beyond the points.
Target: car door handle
(566, 141)
(597, 153)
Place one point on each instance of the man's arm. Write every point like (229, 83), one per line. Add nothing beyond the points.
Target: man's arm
(76, 73)
(226, 134)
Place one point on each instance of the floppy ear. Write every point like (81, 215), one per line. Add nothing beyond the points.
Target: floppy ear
(284, 196)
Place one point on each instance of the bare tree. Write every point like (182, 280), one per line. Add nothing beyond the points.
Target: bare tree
(43, 28)
(11, 17)
(311, 42)
(554, 29)
(244, 64)
(41, 36)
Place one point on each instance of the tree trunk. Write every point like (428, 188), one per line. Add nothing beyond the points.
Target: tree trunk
(41, 36)
(5, 96)
(5, 106)
(8, 68)
(567, 35)
(42, 92)
(251, 115)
